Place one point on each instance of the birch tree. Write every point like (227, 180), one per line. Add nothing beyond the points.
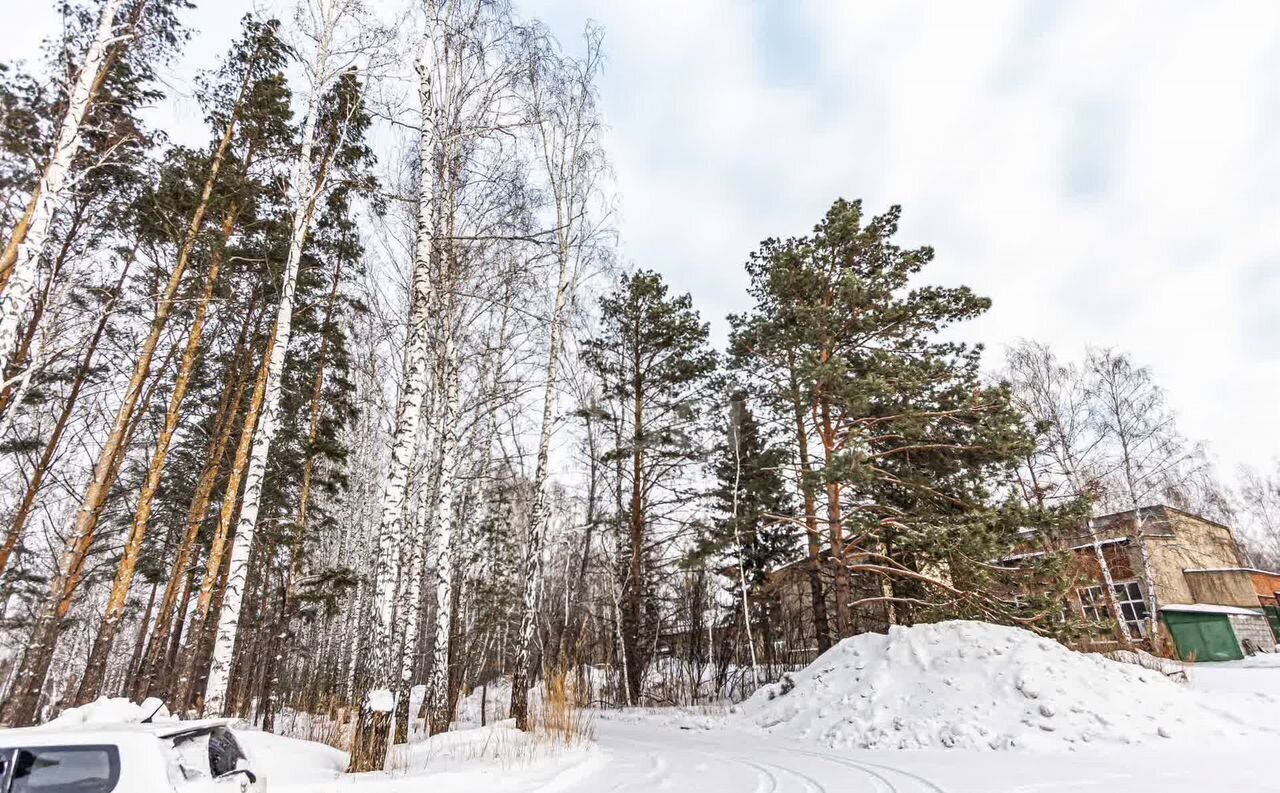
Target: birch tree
(1069, 464)
(566, 129)
(1148, 457)
(1259, 494)
(331, 66)
(464, 78)
(369, 749)
(27, 240)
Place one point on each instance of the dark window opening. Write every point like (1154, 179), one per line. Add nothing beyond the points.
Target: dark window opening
(63, 769)
(224, 753)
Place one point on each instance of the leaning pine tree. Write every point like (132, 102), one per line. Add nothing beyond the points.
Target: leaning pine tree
(247, 90)
(332, 142)
(153, 30)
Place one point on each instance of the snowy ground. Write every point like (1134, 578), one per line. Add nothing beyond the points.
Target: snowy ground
(664, 752)
(950, 708)
(497, 758)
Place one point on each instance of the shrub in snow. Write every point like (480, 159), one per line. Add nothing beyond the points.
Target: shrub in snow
(975, 685)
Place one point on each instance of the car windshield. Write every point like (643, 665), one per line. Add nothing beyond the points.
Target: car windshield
(64, 769)
(211, 752)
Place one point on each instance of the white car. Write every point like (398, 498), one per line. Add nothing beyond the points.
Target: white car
(166, 757)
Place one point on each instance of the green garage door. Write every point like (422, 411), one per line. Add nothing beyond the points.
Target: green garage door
(1273, 617)
(1203, 637)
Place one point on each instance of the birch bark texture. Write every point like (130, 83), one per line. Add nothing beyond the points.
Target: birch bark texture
(566, 127)
(369, 749)
(306, 188)
(440, 554)
(413, 390)
(54, 181)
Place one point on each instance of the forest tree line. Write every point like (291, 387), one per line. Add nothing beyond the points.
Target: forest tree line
(353, 397)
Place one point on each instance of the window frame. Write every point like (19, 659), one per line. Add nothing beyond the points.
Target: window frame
(10, 754)
(1127, 597)
(221, 734)
(1095, 608)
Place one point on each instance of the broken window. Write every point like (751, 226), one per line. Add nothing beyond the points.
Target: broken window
(1093, 602)
(1133, 606)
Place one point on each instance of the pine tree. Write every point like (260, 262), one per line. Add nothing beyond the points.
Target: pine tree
(754, 531)
(248, 89)
(653, 359)
(121, 70)
(918, 457)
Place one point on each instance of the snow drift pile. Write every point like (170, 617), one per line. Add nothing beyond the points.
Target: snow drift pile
(113, 710)
(975, 685)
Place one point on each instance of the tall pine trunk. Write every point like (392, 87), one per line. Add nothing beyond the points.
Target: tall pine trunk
(187, 665)
(813, 538)
(101, 650)
(20, 708)
(158, 670)
(835, 525)
(307, 188)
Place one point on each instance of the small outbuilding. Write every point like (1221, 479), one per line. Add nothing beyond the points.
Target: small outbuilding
(1206, 632)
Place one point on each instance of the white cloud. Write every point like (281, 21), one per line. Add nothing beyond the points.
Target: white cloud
(1109, 173)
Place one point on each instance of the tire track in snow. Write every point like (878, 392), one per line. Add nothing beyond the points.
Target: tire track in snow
(768, 774)
(867, 768)
(766, 780)
(811, 785)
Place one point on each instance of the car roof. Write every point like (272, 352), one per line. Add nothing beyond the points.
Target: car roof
(105, 732)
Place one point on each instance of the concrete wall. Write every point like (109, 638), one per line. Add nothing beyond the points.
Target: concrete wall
(1253, 633)
(1222, 587)
(1177, 542)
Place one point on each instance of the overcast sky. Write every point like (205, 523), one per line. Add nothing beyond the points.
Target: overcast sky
(1108, 173)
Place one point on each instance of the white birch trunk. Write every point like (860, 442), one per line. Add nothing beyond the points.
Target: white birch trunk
(53, 183)
(404, 443)
(304, 192)
(1109, 583)
(540, 517)
(566, 135)
(415, 561)
(1148, 579)
(442, 538)
(735, 431)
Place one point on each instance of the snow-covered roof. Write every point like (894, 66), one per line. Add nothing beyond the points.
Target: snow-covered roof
(1228, 570)
(161, 729)
(1211, 608)
(1032, 554)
